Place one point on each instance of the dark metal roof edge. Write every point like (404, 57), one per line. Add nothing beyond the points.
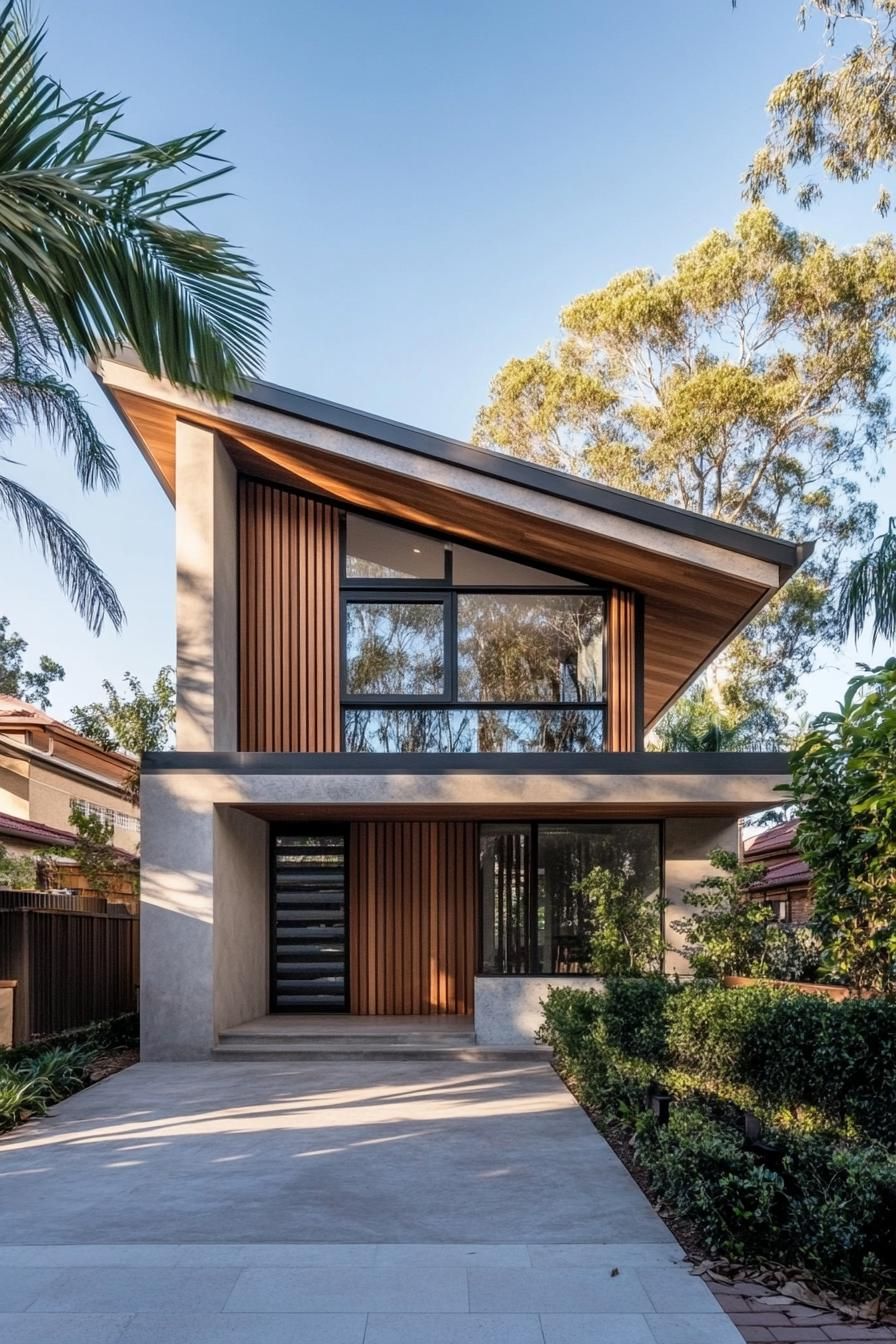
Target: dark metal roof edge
(375, 763)
(637, 508)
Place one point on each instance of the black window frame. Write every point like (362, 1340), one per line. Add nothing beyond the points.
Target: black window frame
(532, 876)
(378, 590)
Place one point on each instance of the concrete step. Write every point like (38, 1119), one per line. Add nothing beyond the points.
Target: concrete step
(288, 1051)
(236, 1036)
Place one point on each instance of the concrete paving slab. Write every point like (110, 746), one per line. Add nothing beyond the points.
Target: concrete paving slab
(606, 1328)
(357, 1153)
(419, 1328)
(290, 1203)
(38, 1328)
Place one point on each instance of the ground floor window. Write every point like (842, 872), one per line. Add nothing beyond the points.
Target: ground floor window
(535, 919)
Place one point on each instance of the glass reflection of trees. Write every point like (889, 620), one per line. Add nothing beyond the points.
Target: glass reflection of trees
(394, 648)
(535, 918)
(524, 647)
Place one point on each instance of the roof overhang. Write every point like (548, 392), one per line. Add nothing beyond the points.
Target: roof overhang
(702, 581)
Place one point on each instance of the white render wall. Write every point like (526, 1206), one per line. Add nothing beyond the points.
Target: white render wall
(207, 634)
(203, 923)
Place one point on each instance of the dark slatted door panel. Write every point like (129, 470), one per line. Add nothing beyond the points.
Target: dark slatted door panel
(309, 921)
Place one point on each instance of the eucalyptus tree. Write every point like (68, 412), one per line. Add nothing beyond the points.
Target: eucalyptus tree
(97, 250)
(836, 118)
(747, 385)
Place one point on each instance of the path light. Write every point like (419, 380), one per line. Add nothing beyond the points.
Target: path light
(659, 1104)
(752, 1127)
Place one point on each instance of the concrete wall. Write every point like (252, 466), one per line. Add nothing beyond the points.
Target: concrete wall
(206, 544)
(688, 844)
(241, 925)
(204, 924)
(507, 1008)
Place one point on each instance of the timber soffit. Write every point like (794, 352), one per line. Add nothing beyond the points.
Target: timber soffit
(787, 555)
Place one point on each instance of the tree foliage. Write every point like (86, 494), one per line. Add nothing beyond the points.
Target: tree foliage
(700, 721)
(844, 787)
(728, 931)
(18, 872)
(626, 923)
(839, 120)
(35, 391)
(15, 679)
(133, 720)
(95, 231)
(95, 854)
(746, 385)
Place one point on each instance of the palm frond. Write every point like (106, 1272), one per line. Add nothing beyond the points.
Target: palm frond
(868, 591)
(81, 578)
(88, 232)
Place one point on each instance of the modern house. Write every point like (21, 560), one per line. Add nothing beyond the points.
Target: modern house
(414, 678)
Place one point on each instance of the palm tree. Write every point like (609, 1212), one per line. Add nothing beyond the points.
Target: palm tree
(868, 590)
(97, 251)
(698, 723)
(33, 392)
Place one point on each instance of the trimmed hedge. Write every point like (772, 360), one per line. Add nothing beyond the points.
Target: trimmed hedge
(820, 1075)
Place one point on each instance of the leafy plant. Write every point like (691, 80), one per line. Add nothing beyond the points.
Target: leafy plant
(94, 852)
(17, 871)
(32, 1082)
(626, 924)
(844, 785)
(729, 931)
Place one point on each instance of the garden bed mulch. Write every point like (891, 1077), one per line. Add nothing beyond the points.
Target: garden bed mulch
(772, 1305)
(112, 1061)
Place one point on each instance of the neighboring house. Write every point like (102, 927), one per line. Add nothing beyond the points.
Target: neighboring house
(786, 886)
(46, 768)
(413, 682)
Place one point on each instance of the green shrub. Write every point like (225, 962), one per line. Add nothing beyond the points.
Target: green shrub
(822, 1077)
(699, 1167)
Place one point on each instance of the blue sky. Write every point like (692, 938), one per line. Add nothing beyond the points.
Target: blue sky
(425, 184)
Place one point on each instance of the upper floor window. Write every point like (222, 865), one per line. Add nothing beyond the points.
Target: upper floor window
(446, 648)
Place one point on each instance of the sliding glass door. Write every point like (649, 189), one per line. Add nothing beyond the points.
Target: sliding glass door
(535, 917)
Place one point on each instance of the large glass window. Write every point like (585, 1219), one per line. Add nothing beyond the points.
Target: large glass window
(541, 892)
(450, 649)
(519, 647)
(374, 550)
(394, 648)
(421, 728)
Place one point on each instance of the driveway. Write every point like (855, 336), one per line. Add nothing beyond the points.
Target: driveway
(390, 1203)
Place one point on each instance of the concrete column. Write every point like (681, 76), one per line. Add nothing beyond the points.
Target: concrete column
(688, 843)
(176, 924)
(241, 927)
(207, 639)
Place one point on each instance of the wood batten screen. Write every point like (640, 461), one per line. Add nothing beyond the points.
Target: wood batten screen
(412, 916)
(622, 676)
(288, 621)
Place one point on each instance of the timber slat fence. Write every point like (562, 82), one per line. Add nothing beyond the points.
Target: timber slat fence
(71, 967)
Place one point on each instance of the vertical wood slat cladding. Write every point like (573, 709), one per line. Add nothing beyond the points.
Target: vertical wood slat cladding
(412, 916)
(621, 670)
(288, 621)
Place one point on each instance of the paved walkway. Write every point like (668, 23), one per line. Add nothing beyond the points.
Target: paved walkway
(363, 1203)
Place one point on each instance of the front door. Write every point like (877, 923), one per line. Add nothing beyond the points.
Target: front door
(308, 919)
